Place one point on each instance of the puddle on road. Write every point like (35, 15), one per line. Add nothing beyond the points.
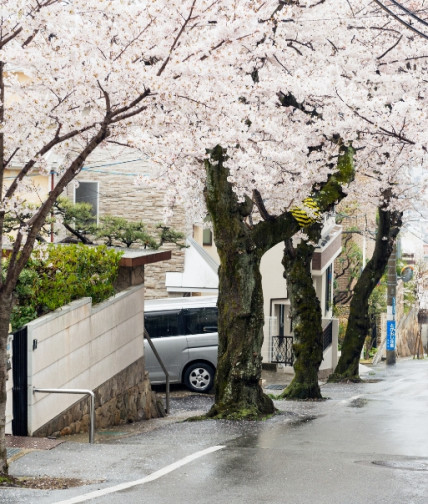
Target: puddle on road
(406, 465)
(359, 402)
(302, 421)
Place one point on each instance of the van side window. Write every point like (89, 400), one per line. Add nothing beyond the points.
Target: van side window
(162, 324)
(200, 320)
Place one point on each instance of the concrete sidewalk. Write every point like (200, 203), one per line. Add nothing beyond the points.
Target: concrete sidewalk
(184, 404)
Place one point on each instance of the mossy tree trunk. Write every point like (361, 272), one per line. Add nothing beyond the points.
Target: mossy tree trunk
(304, 304)
(359, 321)
(307, 321)
(238, 392)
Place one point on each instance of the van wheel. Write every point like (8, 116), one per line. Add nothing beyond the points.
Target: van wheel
(199, 377)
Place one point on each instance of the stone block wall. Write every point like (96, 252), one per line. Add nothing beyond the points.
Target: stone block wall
(124, 398)
(154, 274)
(408, 332)
(118, 195)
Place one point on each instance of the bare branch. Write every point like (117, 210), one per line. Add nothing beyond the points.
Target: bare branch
(44, 150)
(177, 38)
(258, 200)
(390, 49)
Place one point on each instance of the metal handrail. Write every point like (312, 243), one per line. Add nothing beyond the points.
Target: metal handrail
(76, 391)
(149, 339)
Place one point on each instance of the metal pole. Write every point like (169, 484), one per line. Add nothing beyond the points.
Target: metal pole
(76, 391)
(152, 346)
(391, 297)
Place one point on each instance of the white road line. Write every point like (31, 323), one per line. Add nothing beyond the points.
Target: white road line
(154, 476)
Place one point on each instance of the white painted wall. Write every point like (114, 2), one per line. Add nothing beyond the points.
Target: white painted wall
(275, 289)
(331, 354)
(81, 346)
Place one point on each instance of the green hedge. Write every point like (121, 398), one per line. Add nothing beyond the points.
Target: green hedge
(58, 274)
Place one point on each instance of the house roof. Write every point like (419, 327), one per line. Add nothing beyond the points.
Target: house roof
(137, 257)
(200, 271)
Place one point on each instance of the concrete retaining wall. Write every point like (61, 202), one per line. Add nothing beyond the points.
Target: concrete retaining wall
(84, 347)
(126, 397)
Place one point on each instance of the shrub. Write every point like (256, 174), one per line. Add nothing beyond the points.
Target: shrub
(59, 274)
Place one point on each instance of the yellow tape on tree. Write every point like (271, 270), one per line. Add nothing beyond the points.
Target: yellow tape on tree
(306, 214)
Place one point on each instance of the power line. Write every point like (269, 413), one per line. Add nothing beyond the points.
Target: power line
(402, 21)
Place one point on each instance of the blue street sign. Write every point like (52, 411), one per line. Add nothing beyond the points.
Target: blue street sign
(390, 334)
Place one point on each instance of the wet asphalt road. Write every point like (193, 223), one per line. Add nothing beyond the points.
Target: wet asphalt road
(368, 443)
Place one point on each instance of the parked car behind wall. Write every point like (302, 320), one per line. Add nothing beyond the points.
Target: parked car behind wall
(184, 332)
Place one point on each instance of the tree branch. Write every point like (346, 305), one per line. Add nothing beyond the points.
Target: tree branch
(177, 38)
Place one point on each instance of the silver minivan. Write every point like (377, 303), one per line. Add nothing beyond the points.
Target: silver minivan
(184, 332)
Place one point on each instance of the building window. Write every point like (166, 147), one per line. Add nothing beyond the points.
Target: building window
(328, 287)
(87, 192)
(207, 237)
(162, 324)
(281, 320)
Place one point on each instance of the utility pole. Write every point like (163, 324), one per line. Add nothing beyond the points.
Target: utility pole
(390, 301)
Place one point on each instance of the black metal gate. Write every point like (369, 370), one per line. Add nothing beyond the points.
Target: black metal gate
(327, 336)
(19, 373)
(282, 350)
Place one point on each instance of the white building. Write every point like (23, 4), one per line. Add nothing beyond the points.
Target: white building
(200, 277)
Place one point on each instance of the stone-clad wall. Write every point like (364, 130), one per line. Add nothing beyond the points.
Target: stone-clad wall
(408, 332)
(120, 196)
(124, 398)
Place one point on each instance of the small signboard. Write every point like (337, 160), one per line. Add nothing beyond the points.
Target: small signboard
(390, 334)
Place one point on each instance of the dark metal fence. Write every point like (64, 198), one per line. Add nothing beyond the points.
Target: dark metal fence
(19, 391)
(282, 350)
(327, 336)
(282, 346)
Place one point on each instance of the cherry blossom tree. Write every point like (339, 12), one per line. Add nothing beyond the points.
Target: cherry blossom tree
(321, 73)
(347, 368)
(77, 75)
(241, 244)
(278, 85)
(405, 191)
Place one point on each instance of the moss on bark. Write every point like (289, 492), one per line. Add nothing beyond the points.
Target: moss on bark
(306, 317)
(347, 368)
(238, 393)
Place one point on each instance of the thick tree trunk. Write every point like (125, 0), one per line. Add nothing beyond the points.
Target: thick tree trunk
(359, 321)
(306, 319)
(238, 393)
(5, 309)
